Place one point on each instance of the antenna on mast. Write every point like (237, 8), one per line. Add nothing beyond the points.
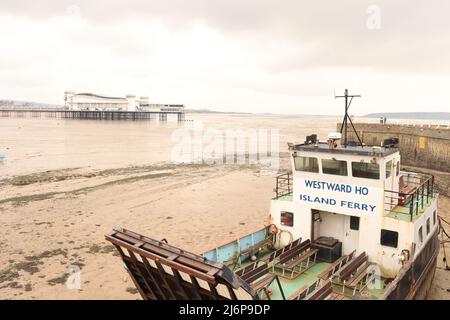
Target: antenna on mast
(347, 119)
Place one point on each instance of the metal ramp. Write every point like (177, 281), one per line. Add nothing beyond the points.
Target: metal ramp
(164, 272)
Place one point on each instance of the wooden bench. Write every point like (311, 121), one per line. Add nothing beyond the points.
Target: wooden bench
(273, 255)
(405, 191)
(321, 293)
(356, 273)
(304, 291)
(306, 256)
(248, 268)
(313, 292)
(362, 277)
(329, 272)
(257, 247)
(294, 244)
(297, 260)
(349, 268)
(259, 278)
(237, 260)
(293, 251)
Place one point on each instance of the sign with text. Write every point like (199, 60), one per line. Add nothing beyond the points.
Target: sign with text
(338, 197)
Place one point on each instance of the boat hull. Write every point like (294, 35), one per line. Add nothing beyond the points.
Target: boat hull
(422, 290)
(414, 282)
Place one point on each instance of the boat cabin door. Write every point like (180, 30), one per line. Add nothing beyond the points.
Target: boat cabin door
(351, 234)
(315, 224)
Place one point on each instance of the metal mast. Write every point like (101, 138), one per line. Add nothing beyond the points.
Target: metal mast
(347, 119)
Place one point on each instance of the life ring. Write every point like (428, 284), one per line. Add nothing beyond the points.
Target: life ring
(278, 241)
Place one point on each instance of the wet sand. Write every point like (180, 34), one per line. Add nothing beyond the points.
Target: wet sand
(191, 206)
(37, 145)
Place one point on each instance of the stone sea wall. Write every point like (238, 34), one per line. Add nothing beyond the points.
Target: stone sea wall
(426, 147)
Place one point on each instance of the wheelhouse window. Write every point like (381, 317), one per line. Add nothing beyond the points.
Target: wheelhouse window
(287, 219)
(366, 170)
(420, 235)
(388, 169)
(397, 168)
(428, 226)
(389, 238)
(336, 167)
(307, 164)
(434, 217)
(354, 223)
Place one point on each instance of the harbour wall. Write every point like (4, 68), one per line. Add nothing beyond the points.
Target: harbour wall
(423, 148)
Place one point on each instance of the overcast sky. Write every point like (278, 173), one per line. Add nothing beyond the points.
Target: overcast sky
(249, 55)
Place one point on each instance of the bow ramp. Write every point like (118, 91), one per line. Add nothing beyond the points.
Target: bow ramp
(163, 272)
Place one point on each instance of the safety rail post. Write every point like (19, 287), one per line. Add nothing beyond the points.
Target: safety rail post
(417, 202)
(411, 206)
(277, 186)
(422, 189)
(432, 185)
(289, 183)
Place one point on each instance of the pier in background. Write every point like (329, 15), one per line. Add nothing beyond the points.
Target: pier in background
(92, 114)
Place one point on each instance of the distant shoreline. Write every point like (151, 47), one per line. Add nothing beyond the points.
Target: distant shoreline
(411, 115)
(9, 103)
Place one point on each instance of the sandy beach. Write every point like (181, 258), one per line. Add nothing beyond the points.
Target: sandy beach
(191, 206)
(54, 218)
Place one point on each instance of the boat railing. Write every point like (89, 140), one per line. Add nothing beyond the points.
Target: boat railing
(284, 184)
(415, 192)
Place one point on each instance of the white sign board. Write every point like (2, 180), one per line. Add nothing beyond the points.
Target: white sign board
(343, 198)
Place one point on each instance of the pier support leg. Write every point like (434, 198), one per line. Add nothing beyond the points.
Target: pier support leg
(180, 117)
(163, 117)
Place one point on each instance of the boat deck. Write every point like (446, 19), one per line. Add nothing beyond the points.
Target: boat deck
(161, 271)
(291, 286)
(402, 212)
(285, 197)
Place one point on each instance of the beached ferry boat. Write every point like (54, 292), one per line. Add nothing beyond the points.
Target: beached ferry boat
(346, 223)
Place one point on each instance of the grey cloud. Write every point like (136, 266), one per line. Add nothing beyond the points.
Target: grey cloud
(336, 30)
(413, 38)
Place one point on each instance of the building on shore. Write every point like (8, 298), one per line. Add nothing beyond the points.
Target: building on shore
(92, 102)
(95, 102)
